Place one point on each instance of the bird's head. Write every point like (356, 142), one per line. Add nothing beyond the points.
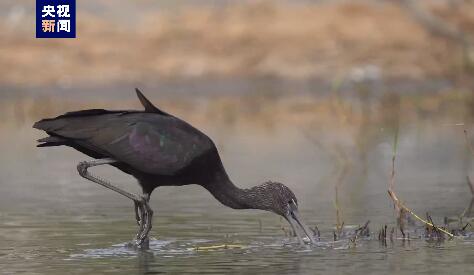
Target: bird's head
(278, 198)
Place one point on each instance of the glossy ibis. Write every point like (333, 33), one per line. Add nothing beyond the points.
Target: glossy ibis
(159, 149)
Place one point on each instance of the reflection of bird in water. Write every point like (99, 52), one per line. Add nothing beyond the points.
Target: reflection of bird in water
(159, 149)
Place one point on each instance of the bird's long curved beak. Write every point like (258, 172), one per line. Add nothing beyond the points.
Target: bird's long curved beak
(295, 220)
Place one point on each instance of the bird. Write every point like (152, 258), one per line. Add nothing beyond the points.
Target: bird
(160, 149)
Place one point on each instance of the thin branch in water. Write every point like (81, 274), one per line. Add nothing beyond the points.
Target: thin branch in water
(342, 168)
(398, 204)
(469, 183)
(316, 232)
(363, 230)
(467, 211)
(344, 165)
(471, 186)
(464, 228)
(392, 174)
(401, 222)
(469, 145)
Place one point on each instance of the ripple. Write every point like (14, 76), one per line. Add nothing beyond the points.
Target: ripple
(120, 250)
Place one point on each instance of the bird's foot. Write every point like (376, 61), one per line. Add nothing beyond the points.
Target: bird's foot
(148, 223)
(143, 246)
(143, 214)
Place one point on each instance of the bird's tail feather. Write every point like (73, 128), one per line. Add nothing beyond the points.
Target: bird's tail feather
(51, 141)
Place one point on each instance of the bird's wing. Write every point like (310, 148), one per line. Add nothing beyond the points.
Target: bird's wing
(150, 143)
(155, 150)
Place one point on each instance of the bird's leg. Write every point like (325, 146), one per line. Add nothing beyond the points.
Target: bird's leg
(84, 165)
(137, 214)
(141, 222)
(142, 209)
(146, 220)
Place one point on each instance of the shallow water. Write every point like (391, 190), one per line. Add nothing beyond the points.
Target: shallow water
(52, 221)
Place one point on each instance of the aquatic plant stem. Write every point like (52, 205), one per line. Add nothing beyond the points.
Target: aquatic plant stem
(342, 168)
(468, 143)
(469, 183)
(408, 210)
(398, 204)
(471, 186)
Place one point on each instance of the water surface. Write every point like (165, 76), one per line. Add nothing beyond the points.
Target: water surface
(52, 221)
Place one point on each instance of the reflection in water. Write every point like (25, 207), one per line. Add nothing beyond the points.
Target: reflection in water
(52, 221)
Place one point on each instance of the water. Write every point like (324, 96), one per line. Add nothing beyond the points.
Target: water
(54, 222)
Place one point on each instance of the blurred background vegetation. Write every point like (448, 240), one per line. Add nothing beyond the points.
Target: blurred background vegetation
(236, 49)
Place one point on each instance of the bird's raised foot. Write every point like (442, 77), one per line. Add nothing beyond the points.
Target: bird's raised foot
(82, 168)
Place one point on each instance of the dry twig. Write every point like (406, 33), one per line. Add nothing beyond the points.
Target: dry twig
(398, 204)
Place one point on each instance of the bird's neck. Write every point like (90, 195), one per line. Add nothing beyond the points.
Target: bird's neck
(224, 190)
(218, 183)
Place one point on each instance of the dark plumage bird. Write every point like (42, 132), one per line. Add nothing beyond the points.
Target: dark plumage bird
(159, 149)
